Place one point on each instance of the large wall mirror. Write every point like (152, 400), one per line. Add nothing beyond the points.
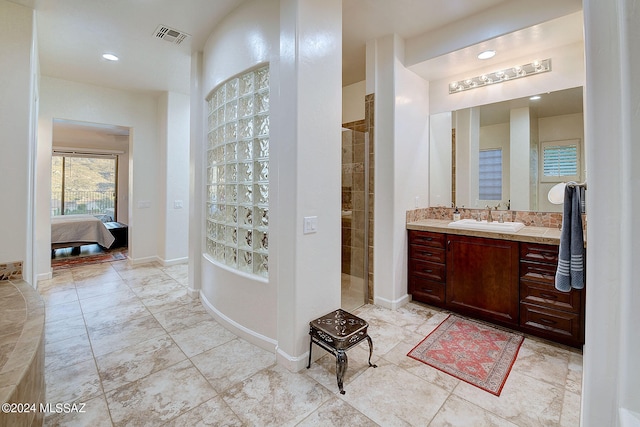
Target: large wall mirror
(509, 153)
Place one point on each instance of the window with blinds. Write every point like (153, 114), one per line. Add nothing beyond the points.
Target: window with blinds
(490, 168)
(560, 160)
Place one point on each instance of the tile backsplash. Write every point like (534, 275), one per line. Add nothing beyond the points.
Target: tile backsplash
(535, 219)
(11, 270)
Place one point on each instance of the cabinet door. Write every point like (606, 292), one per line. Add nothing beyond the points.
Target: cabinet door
(482, 278)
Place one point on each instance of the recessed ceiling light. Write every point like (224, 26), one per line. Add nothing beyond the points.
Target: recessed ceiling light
(487, 54)
(535, 98)
(110, 57)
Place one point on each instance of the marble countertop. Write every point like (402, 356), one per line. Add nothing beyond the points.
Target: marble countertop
(529, 234)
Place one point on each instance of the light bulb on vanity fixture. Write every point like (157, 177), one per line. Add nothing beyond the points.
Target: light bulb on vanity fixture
(498, 76)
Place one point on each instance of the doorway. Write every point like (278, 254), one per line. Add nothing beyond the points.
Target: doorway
(355, 219)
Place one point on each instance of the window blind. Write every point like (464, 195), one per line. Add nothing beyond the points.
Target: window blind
(490, 169)
(560, 160)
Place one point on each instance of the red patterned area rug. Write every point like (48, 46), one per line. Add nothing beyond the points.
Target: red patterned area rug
(470, 351)
(76, 261)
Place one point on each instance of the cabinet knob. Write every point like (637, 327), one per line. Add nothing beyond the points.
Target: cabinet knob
(549, 296)
(427, 290)
(547, 321)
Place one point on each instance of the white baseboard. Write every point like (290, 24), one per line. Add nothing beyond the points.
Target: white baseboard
(293, 364)
(45, 276)
(175, 261)
(392, 305)
(193, 293)
(145, 260)
(247, 334)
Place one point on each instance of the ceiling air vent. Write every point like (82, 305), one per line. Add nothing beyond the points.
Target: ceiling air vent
(170, 34)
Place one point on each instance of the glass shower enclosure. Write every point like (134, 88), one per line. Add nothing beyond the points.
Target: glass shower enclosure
(355, 218)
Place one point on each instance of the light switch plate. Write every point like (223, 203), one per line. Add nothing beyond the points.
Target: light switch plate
(310, 225)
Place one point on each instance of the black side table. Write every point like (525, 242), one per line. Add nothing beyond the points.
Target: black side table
(337, 332)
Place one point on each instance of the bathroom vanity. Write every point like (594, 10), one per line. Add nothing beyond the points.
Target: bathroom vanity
(503, 278)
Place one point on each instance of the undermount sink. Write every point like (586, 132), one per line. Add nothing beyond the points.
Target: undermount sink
(472, 224)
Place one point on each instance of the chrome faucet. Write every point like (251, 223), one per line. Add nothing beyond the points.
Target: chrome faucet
(489, 217)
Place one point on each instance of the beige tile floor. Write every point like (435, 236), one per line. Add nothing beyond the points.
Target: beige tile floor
(131, 344)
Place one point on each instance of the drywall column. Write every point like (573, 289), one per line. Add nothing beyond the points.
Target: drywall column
(468, 157)
(402, 158)
(440, 175)
(611, 382)
(309, 159)
(173, 221)
(17, 140)
(533, 160)
(520, 147)
(196, 181)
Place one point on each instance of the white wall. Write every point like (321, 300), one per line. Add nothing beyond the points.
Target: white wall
(246, 303)
(402, 159)
(174, 120)
(353, 102)
(63, 99)
(301, 41)
(567, 72)
(520, 131)
(467, 157)
(558, 128)
(196, 171)
(440, 159)
(611, 381)
(16, 142)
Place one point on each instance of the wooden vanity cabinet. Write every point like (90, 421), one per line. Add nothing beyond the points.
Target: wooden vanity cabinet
(504, 282)
(427, 267)
(482, 278)
(545, 311)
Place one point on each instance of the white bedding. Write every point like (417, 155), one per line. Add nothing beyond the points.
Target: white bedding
(80, 229)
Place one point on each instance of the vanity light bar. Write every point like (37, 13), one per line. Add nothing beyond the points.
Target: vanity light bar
(519, 71)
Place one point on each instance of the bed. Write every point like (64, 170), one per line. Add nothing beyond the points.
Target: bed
(77, 230)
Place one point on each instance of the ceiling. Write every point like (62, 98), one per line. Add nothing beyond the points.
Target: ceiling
(73, 34)
(568, 101)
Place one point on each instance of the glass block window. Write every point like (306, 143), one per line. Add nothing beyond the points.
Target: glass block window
(238, 173)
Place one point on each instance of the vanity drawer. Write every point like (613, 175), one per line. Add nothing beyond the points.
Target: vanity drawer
(427, 238)
(539, 253)
(547, 295)
(427, 253)
(543, 273)
(427, 270)
(426, 291)
(559, 326)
